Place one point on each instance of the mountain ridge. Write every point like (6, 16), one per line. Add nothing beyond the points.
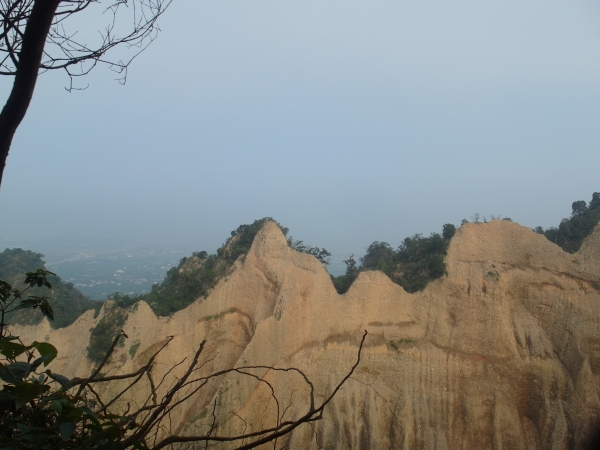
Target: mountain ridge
(500, 352)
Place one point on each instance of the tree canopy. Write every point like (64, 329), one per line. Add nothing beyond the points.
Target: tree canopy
(417, 261)
(571, 232)
(191, 279)
(197, 274)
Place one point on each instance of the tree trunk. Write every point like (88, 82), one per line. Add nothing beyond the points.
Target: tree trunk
(30, 56)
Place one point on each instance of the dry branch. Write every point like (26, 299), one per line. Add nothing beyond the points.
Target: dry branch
(149, 417)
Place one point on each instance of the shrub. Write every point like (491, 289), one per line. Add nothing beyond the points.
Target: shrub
(417, 261)
(570, 233)
(105, 330)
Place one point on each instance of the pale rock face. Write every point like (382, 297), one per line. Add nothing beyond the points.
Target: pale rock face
(502, 353)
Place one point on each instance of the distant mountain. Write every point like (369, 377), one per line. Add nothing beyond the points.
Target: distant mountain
(67, 301)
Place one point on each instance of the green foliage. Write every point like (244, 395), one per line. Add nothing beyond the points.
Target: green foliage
(448, 231)
(419, 260)
(196, 275)
(134, 348)
(191, 279)
(241, 239)
(320, 253)
(416, 262)
(343, 282)
(571, 233)
(379, 256)
(37, 411)
(67, 302)
(14, 263)
(105, 330)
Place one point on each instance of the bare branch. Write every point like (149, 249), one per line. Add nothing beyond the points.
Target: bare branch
(101, 365)
(283, 427)
(64, 51)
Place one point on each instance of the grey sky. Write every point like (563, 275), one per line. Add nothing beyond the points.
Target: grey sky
(346, 121)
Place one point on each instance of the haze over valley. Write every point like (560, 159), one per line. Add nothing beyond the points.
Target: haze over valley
(301, 225)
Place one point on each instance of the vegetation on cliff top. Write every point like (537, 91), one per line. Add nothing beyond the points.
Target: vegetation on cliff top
(197, 274)
(417, 261)
(102, 335)
(571, 232)
(42, 409)
(193, 278)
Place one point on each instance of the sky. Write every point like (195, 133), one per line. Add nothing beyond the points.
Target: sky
(346, 121)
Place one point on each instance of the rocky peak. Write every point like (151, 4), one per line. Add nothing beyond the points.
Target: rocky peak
(503, 352)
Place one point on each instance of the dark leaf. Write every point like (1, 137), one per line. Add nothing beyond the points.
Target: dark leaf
(6, 375)
(27, 391)
(112, 432)
(75, 415)
(90, 414)
(6, 291)
(38, 278)
(47, 311)
(38, 302)
(40, 360)
(11, 349)
(35, 435)
(93, 427)
(14, 372)
(111, 446)
(66, 430)
(60, 379)
(7, 395)
(56, 406)
(44, 349)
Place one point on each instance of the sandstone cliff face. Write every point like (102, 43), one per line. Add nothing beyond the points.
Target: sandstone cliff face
(502, 353)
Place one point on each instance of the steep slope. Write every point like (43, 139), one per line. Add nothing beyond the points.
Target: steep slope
(503, 352)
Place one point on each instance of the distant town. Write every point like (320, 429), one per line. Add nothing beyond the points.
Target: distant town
(98, 274)
(100, 270)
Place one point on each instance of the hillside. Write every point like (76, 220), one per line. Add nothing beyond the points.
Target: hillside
(66, 300)
(502, 352)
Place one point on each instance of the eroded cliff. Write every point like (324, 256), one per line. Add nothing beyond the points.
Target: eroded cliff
(503, 352)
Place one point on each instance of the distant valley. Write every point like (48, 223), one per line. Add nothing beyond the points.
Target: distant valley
(100, 273)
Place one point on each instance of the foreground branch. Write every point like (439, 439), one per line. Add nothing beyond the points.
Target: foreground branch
(270, 434)
(34, 39)
(137, 426)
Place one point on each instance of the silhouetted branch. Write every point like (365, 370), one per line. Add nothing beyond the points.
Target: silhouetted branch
(283, 427)
(64, 49)
(153, 418)
(34, 38)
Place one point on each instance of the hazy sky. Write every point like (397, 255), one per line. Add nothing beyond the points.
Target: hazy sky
(346, 121)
